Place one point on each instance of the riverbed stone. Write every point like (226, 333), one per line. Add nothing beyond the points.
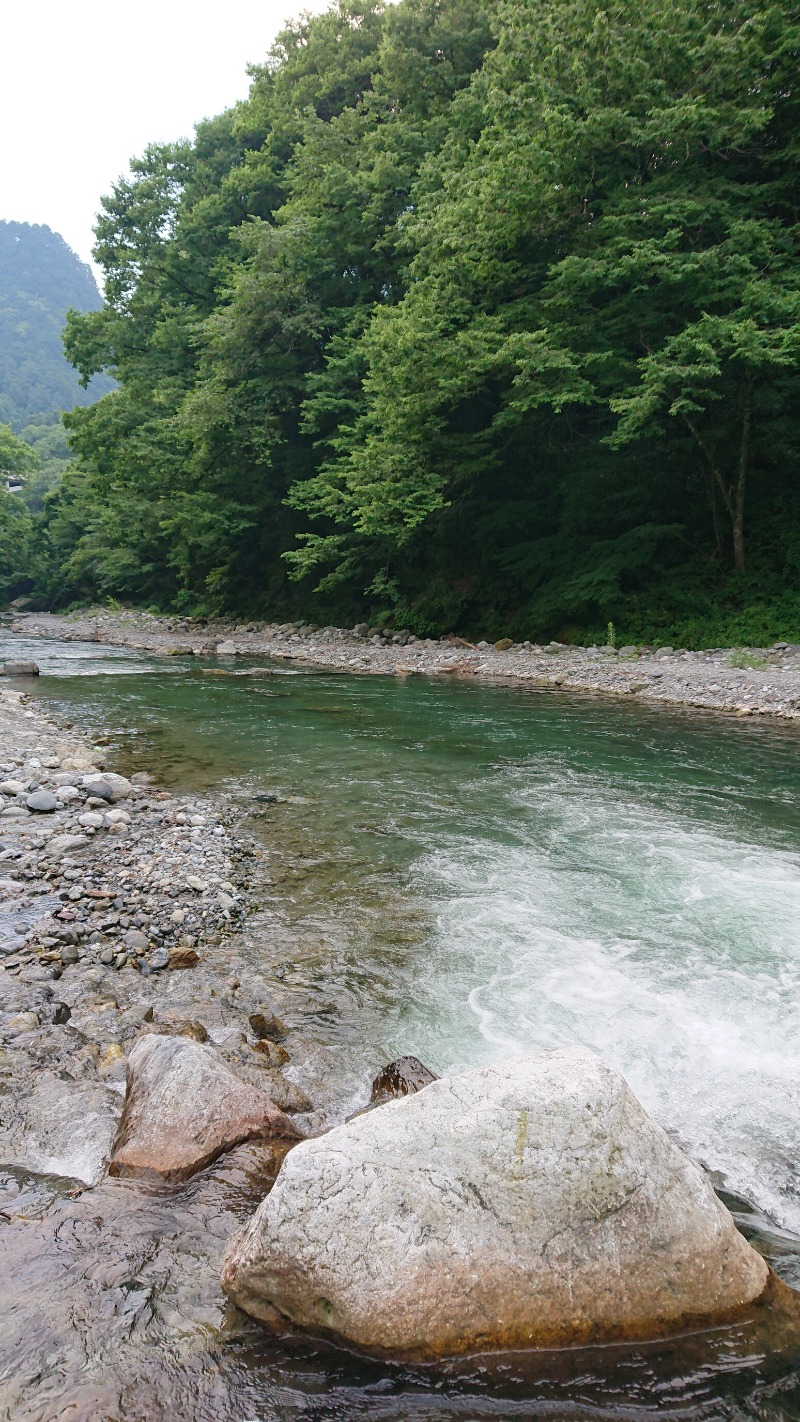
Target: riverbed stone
(265, 1023)
(20, 669)
(184, 1107)
(400, 1078)
(532, 1203)
(42, 802)
(57, 1126)
(63, 844)
(97, 787)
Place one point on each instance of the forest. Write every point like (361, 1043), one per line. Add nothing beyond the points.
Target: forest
(40, 280)
(471, 317)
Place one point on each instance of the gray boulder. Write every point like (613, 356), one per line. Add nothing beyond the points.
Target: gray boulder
(528, 1204)
(42, 802)
(184, 1107)
(20, 669)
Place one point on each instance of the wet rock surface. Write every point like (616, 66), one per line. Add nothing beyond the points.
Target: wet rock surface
(400, 1078)
(115, 921)
(112, 1306)
(753, 681)
(184, 1107)
(532, 1203)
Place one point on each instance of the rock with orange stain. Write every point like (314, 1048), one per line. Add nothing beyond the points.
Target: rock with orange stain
(184, 1107)
(529, 1204)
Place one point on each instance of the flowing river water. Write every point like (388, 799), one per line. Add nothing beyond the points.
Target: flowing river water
(462, 872)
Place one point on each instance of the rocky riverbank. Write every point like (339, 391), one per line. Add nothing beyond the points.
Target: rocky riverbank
(750, 682)
(121, 907)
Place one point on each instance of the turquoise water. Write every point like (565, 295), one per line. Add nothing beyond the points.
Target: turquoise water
(469, 871)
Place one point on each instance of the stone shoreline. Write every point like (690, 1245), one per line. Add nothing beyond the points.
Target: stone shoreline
(121, 909)
(754, 682)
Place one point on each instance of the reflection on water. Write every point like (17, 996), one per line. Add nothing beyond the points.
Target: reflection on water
(460, 872)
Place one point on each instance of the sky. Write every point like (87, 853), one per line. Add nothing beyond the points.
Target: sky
(85, 87)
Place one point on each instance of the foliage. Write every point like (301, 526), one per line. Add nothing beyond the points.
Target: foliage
(470, 316)
(40, 279)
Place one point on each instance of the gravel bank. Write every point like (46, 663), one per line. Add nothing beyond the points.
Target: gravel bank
(754, 682)
(121, 909)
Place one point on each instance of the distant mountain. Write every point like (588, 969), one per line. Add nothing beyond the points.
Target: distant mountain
(40, 278)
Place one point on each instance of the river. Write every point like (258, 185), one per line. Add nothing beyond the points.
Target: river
(464, 871)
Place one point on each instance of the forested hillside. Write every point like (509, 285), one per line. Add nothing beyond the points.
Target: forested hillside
(40, 279)
(475, 317)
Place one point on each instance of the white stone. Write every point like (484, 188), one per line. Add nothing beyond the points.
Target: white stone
(117, 817)
(12, 787)
(532, 1203)
(119, 786)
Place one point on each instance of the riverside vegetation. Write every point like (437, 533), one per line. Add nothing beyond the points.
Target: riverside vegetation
(474, 318)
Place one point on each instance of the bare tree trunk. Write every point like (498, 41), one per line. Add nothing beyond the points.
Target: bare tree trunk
(711, 491)
(732, 493)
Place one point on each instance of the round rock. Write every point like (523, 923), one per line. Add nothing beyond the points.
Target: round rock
(42, 802)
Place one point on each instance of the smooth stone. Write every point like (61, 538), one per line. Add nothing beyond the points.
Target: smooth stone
(159, 959)
(121, 787)
(98, 787)
(67, 794)
(184, 1107)
(20, 669)
(42, 802)
(12, 787)
(136, 940)
(529, 1204)
(63, 844)
(91, 819)
(400, 1078)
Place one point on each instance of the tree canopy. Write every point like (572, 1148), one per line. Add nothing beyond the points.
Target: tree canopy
(470, 316)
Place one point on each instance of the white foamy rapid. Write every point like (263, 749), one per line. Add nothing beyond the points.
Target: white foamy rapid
(664, 945)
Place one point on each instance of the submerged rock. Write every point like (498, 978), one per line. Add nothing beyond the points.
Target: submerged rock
(20, 669)
(265, 1024)
(55, 1126)
(528, 1204)
(184, 1107)
(400, 1078)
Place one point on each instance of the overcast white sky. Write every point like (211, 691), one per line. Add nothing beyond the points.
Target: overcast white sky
(85, 87)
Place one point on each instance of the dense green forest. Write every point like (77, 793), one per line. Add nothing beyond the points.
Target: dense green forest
(41, 279)
(471, 317)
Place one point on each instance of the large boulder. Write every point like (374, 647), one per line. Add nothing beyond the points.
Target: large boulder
(184, 1107)
(19, 669)
(528, 1204)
